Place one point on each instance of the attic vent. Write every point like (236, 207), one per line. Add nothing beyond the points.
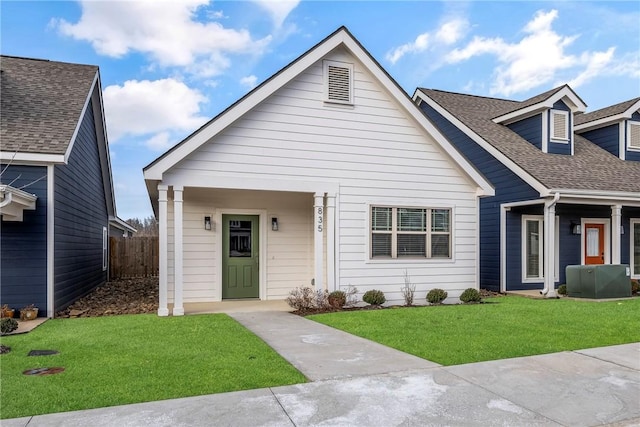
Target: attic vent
(339, 82)
(634, 135)
(560, 125)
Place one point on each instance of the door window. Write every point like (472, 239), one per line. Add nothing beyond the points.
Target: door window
(239, 239)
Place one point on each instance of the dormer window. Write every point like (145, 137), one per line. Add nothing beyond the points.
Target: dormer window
(338, 79)
(634, 135)
(559, 125)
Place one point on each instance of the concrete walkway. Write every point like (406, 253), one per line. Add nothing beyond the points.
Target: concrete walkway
(321, 352)
(359, 383)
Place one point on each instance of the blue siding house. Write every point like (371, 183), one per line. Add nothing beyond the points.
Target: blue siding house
(567, 183)
(56, 192)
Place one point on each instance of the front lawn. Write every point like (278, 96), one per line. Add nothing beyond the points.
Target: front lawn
(502, 328)
(137, 358)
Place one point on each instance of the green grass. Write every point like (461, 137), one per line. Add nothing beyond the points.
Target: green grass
(502, 328)
(128, 359)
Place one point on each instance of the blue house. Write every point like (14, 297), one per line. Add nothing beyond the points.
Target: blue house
(567, 184)
(56, 193)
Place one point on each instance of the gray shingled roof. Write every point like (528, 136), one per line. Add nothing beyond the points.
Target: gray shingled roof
(41, 103)
(590, 168)
(606, 112)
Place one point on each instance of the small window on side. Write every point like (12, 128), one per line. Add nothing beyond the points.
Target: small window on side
(634, 135)
(105, 250)
(559, 125)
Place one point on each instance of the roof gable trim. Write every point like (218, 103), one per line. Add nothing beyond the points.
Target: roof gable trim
(342, 37)
(526, 177)
(565, 94)
(605, 121)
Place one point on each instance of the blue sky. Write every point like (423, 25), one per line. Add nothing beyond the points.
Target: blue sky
(169, 66)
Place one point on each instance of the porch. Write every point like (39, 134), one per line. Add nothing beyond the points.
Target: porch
(219, 244)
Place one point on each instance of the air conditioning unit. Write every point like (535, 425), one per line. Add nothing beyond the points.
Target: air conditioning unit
(599, 281)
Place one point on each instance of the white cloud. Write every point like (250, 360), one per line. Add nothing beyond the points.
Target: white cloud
(149, 107)
(448, 33)
(166, 31)
(596, 63)
(249, 81)
(278, 9)
(534, 60)
(159, 142)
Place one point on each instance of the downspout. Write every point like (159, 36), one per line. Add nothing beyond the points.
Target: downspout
(549, 255)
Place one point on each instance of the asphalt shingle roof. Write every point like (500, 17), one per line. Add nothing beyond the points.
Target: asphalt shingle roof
(606, 112)
(590, 168)
(41, 103)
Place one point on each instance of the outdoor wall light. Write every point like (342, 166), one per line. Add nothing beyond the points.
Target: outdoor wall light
(274, 224)
(207, 223)
(576, 228)
(622, 229)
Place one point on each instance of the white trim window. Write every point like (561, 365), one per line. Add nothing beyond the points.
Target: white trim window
(633, 130)
(635, 248)
(559, 125)
(338, 82)
(533, 248)
(105, 249)
(407, 232)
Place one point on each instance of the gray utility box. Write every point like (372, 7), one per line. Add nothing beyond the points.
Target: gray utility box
(599, 281)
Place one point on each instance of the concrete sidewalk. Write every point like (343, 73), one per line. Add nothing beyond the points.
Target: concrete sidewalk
(359, 383)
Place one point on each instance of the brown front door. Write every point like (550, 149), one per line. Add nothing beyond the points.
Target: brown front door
(594, 243)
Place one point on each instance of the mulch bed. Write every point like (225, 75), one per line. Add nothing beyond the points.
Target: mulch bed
(126, 296)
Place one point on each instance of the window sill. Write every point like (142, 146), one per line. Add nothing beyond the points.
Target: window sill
(409, 260)
(338, 104)
(559, 141)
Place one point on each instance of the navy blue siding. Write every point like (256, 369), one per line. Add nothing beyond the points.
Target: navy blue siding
(529, 129)
(508, 187)
(559, 147)
(23, 245)
(607, 137)
(633, 155)
(80, 215)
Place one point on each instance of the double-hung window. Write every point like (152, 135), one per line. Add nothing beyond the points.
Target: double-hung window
(399, 232)
(533, 248)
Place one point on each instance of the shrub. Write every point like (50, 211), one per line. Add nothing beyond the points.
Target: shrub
(337, 299)
(635, 286)
(352, 295)
(7, 324)
(322, 299)
(470, 295)
(436, 296)
(301, 299)
(374, 297)
(408, 290)
(562, 290)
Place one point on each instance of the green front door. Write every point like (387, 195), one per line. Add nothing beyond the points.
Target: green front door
(240, 250)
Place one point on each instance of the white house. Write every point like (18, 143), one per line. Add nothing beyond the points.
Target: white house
(325, 174)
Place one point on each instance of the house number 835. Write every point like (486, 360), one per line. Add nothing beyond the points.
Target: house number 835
(319, 220)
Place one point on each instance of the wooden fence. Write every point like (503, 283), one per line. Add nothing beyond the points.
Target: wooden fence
(133, 257)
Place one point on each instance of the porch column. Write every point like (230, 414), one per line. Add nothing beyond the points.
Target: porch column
(616, 222)
(549, 250)
(331, 242)
(318, 229)
(178, 308)
(162, 243)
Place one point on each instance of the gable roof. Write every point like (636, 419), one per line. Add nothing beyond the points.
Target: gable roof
(42, 103)
(590, 169)
(607, 115)
(341, 37)
(545, 100)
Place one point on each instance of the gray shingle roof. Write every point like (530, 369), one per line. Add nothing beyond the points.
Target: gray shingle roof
(590, 168)
(41, 103)
(606, 112)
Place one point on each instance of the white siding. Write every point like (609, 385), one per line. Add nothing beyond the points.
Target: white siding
(372, 151)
